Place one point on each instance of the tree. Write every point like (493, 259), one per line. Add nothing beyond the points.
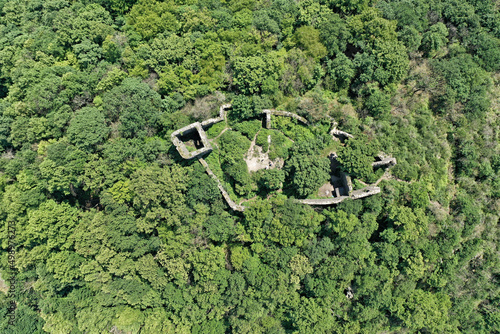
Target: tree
(136, 106)
(387, 63)
(434, 39)
(300, 73)
(255, 74)
(357, 156)
(411, 38)
(158, 196)
(350, 7)
(341, 222)
(151, 18)
(307, 38)
(242, 108)
(486, 49)
(334, 35)
(377, 102)
(305, 170)
(87, 128)
(273, 179)
(340, 72)
(425, 311)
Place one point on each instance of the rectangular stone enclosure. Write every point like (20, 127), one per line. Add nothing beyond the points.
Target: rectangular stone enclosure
(196, 136)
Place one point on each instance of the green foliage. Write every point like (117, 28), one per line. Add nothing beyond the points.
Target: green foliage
(115, 234)
(307, 38)
(467, 83)
(287, 224)
(273, 179)
(341, 222)
(255, 74)
(234, 146)
(135, 105)
(377, 102)
(340, 72)
(292, 129)
(357, 156)
(244, 107)
(150, 18)
(249, 128)
(87, 128)
(425, 310)
(305, 171)
(434, 39)
(216, 129)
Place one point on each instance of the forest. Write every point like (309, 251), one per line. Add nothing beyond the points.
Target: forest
(104, 228)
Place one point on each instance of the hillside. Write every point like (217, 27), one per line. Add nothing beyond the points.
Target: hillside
(107, 226)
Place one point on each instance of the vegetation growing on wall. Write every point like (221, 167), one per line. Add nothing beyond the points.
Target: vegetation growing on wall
(114, 232)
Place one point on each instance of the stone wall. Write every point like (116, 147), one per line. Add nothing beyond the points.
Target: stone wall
(346, 180)
(384, 161)
(366, 191)
(270, 112)
(228, 199)
(323, 201)
(337, 134)
(181, 147)
(356, 194)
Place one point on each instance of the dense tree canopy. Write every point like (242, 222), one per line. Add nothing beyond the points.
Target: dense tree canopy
(114, 232)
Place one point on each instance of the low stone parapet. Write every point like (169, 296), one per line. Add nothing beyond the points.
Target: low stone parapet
(323, 201)
(367, 191)
(356, 194)
(228, 199)
(389, 162)
(270, 112)
(211, 121)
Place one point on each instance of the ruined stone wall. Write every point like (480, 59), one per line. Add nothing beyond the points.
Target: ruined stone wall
(181, 147)
(269, 112)
(356, 194)
(323, 201)
(346, 181)
(338, 133)
(228, 199)
(366, 191)
(384, 161)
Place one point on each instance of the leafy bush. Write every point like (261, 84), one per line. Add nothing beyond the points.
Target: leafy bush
(249, 128)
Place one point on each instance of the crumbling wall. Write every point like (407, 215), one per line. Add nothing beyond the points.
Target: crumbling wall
(323, 201)
(366, 191)
(228, 199)
(222, 112)
(338, 134)
(346, 181)
(356, 194)
(270, 112)
(181, 147)
(384, 161)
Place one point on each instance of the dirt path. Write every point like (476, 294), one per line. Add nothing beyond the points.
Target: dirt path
(247, 200)
(220, 134)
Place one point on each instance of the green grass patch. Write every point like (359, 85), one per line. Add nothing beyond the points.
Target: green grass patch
(216, 129)
(279, 145)
(213, 161)
(291, 129)
(261, 139)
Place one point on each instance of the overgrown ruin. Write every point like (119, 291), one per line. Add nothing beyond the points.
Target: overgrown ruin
(341, 185)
